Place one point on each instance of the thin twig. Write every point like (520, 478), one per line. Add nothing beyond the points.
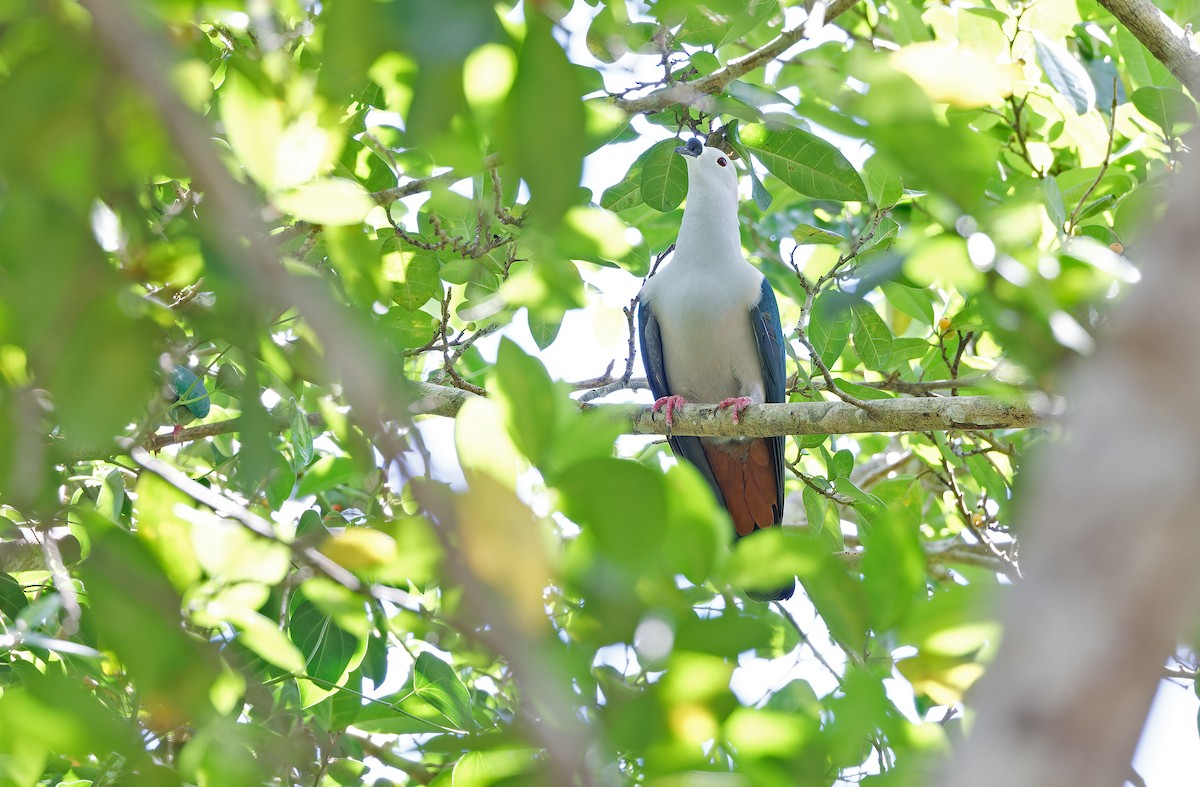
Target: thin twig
(804, 639)
(1112, 123)
(697, 91)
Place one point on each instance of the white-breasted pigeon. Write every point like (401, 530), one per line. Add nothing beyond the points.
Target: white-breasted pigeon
(710, 334)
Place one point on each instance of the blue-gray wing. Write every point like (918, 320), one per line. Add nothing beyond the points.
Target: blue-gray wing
(768, 335)
(656, 374)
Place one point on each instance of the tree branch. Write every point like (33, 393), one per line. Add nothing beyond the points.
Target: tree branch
(889, 415)
(765, 420)
(886, 415)
(419, 185)
(689, 93)
(1168, 42)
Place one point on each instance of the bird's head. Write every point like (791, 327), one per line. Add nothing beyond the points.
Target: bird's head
(709, 169)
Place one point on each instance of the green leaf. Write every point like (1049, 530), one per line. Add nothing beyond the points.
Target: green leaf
(614, 499)
(883, 184)
(706, 22)
(627, 193)
(622, 196)
(484, 439)
(414, 273)
(111, 498)
(814, 509)
(544, 332)
(908, 348)
(546, 147)
(909, 26)
(893, 562)
(748, 16)
(326, 473)
(842, 464)
(253, 125)
(704, 62)
(12, 597)
(1053, 199)
(762, 197)
(280, 481)
(913, 301)
(758, 191)
(872, 338)
(133, 603)
(944, 260)
(772, 558)
(527, 397)
(231, 554)
(808, 234)
(924, 149)
(264, 637)
(355, 257)
(1065, 73)
(697, 532)
(402, 714)
(824, 522)
(862, 391)
(494, 767)
(62, 713)
(302, 439)
(409, 328)
(334, 201)
(1169, 109)
(664, 180)
(829, 325)
(805, 162)
(435, 682)
(329, 651)
(164, 531)
(724, 635)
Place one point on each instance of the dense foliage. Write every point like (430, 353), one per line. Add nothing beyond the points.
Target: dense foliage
(944, 196)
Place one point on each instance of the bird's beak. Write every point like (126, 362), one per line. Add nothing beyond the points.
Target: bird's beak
(684, 150)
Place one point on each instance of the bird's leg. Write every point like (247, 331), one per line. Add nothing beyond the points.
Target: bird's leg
(671, 403)
(738, 403)
(175, 432)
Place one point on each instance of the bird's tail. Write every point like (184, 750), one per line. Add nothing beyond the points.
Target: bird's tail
(745, 475)
(779, 594)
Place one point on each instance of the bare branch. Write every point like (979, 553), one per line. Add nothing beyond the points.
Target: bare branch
(697, 91)
(1168, 42)
(765, 420)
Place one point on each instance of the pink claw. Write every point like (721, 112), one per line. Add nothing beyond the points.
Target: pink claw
(671, 403)
(738, 403)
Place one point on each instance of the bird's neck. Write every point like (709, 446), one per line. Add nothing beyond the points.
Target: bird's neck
(709, 230)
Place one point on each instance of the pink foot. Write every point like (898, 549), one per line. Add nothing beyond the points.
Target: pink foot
(671, 403)
(175, 432)
(738, 403)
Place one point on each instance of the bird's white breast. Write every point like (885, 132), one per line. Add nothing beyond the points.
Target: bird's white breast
(703, 313)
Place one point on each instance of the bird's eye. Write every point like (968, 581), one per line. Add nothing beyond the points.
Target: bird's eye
(722, 161)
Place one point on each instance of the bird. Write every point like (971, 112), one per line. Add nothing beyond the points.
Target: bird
(710, 333)
(186, 396)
